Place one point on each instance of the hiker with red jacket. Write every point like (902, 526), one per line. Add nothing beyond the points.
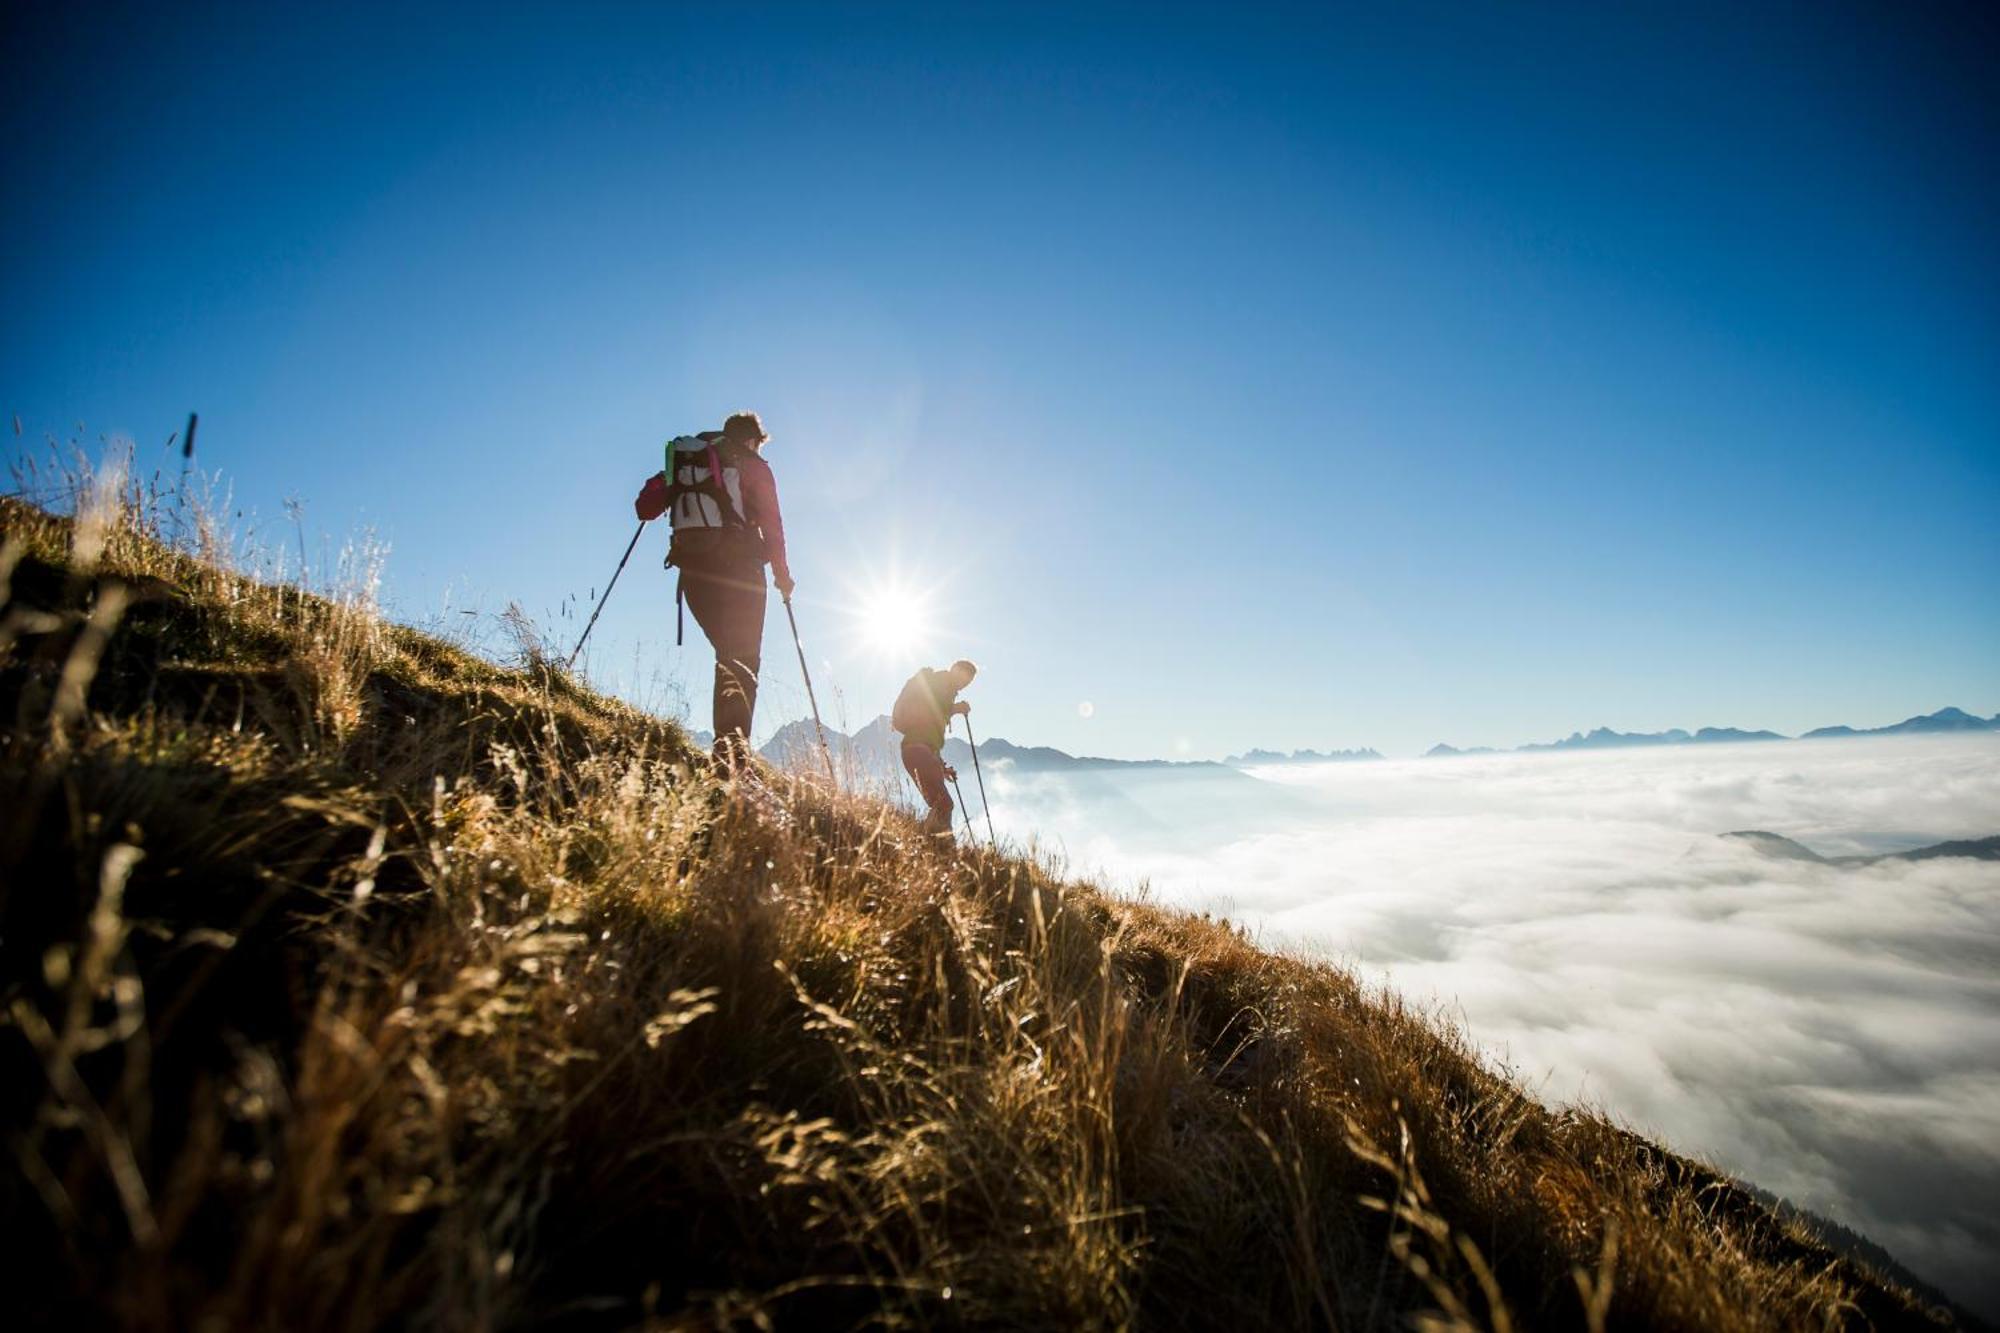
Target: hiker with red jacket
(922, 714)
(724, 505)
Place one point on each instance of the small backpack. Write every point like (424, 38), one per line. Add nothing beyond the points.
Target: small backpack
(916, 708)
(704, 485)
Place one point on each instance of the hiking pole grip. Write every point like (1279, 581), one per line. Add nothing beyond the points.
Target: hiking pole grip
(818, 726)
(599, 609)
(991, 841)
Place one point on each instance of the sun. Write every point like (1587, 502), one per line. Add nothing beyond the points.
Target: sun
(893, 621)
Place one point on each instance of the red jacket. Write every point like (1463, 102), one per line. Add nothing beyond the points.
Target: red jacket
(760, 498)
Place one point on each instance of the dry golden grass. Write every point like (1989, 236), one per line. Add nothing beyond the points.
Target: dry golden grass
(355, 982)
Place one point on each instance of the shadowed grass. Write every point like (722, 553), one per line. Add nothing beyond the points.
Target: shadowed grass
(353, 981)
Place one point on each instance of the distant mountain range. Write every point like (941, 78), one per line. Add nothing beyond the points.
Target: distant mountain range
(1945, 719)
(872, 759)
(876, 751)
(1784, 849)
(1253, 758)
(1604, 738)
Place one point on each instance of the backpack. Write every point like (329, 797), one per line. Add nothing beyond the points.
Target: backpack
(704, 485)
(705, 502)
(916, 707)
(705, 506)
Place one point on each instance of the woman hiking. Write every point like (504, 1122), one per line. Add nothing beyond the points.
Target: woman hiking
(727, 527)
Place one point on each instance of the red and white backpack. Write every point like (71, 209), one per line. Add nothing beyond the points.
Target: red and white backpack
(704, 483)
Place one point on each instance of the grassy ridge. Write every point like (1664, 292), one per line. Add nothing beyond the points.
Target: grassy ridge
(355, 982)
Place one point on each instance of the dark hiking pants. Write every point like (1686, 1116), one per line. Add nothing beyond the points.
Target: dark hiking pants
(727, 601)
(926, 768)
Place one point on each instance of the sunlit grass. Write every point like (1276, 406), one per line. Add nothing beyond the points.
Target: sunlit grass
(357, 982)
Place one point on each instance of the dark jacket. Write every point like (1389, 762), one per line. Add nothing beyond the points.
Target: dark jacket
(923, 710)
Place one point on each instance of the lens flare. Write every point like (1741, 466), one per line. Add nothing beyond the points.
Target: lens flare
(893, 621)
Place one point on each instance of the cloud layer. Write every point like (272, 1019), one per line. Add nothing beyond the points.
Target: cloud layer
(1831, 1033)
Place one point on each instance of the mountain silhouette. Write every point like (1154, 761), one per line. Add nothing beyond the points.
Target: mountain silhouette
(1604, 738)
(876, 750)
(1945, 719)
(1785, 849)
(1733, 734)
(1251, 758)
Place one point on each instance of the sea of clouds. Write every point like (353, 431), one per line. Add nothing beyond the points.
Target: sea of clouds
(1829, 1033)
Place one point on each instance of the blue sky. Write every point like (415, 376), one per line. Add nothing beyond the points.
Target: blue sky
(1287, 377)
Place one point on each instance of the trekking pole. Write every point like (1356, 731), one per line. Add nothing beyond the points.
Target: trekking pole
(607, 595)
(990, 839)
(961, 803)
(818, 726)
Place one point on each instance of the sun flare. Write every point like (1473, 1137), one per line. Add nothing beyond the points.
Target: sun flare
(894, 621)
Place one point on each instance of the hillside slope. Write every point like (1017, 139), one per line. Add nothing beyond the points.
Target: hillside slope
(354, 982)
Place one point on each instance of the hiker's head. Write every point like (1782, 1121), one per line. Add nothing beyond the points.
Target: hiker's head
(961, 673)
(745, 428)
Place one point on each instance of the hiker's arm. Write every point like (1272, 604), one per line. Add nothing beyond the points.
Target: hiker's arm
(652, 501)
(961, 709)
(761, 498)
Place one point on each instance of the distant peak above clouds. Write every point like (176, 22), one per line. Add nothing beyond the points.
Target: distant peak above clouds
(1945, 719)
(1786, 849)
(876, 751)
(1253, 758)
(1604, 738)
(877, 747)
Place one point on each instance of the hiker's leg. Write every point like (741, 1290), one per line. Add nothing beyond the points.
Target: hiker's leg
(739, 651)
(926, 768)
(735, 698)
(728, 604)
(705, 595)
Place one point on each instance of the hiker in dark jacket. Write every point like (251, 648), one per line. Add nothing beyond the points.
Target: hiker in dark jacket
(727, 527)
(922, 714)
